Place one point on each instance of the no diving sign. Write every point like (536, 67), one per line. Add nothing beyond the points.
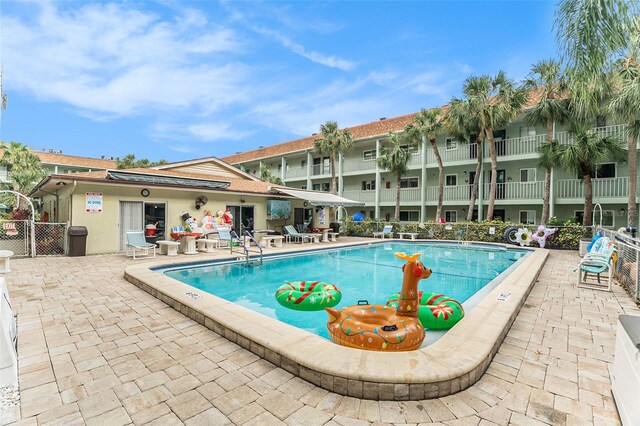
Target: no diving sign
(503, 297)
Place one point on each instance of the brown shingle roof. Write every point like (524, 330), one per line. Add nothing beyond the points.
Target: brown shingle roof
(72, 160)
(361, 131)
(236, 185)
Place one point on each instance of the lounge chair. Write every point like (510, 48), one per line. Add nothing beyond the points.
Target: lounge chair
(291, 232)
(599, 260)
(387, 230)
(136, 244)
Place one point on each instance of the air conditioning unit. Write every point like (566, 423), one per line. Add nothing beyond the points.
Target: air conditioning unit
(8, 340)
(626, 369)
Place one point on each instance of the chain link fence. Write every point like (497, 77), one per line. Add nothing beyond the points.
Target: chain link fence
(50, 238)
(14, 236)
(626, 270)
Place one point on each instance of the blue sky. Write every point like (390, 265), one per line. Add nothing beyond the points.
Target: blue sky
(189, 79)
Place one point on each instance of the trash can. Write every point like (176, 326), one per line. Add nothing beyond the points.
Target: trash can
(335, 227)
(78, 240)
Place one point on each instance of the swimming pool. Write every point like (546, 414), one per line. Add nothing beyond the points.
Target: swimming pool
(369, 272)
(453, 363)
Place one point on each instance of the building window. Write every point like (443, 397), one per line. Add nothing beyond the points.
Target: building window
(368, 185)
(607, 170)
(411, 149)
(451, 144)
(279, 167)
(303, 164)
(527, 131)
(601, 121)
(451, 216)
(607, 217)
(527, 175)
(316, 187)
(326, 187)
(409, 215)
(528, 217)
(303, 187)
(451, 180)
(409, 183)
(369, 155)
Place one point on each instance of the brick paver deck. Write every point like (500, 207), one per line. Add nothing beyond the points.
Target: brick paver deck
(95, 349)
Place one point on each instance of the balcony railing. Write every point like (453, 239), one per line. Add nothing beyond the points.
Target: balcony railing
(320, 170)
(406, 195)
(461, 153)
(617, 130)
(602, 188)
(516, 190)
(295, 172)
(368, 197)
(357, 164)
(525, 145)
(449, 193)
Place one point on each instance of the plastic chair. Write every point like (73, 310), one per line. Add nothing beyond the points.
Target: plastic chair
(136, 244)
(387, 230)
(292, 233)
(599, 260)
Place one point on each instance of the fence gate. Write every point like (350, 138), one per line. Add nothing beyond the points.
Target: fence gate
(50, 238)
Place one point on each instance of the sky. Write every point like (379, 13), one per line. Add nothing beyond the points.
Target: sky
(178, 80)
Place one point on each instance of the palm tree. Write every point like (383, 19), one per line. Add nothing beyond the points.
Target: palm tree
(266, 176)
(24, 166)
(395, 159)
(334, 141)
(428, 124)
(547, 80)
(582, 158)
(590, 33)
(460, 123)
(624, 106)
(493, 102)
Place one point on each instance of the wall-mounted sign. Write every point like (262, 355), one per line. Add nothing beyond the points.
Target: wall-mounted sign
(10, 228)
(94, 202)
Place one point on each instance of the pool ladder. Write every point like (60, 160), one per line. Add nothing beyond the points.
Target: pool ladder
(246, 248)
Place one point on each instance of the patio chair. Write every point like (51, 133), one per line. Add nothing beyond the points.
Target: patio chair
(387, 230)
(599, 260)
(291, 232)
(136, 244)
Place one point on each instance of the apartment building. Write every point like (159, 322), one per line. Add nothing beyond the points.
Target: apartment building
(520, 181)
(55, 162)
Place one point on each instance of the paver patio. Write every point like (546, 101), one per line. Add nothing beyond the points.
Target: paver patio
(95, 349)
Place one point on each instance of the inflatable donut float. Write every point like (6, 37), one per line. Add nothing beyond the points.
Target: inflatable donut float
(308, 295)
(436, 311)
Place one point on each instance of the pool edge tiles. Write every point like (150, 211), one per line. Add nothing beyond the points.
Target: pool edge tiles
(450, 365)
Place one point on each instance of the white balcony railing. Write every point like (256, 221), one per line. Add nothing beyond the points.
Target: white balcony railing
(516, 190)
(461, 153)
(356, 165)
(368, 197)
(617, 130)
(406, 195)
(296, 172)
(602, 188)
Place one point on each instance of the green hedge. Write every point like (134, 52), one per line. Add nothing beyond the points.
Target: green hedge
(567, 238)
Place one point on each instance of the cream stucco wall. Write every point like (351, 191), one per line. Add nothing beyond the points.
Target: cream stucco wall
(104, 227)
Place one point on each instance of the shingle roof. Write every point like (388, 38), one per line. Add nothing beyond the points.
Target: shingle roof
(235, 185)
(72, 160)
(361, 131)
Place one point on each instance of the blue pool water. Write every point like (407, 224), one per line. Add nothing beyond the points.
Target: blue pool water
(370, 272)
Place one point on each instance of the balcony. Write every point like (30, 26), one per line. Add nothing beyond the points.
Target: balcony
(407, 195)
(368, 197)
(296, 172)
(608, 188)
(450, 193)
(320, 170)
(617, 130)
(522, 146)
(463, 152)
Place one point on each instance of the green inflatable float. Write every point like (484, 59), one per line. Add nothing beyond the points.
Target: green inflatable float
(436, 312)
(308, 295)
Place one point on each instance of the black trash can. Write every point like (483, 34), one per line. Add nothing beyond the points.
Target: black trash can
(78, 240)
(335, 227)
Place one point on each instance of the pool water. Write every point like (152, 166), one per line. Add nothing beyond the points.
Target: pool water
(370, 272)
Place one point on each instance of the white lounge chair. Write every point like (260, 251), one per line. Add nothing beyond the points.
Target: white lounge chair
(136, 244)
(387, 230)
(292, 233)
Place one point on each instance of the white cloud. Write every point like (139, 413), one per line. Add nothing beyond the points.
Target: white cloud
(202, 132)
(109, 61)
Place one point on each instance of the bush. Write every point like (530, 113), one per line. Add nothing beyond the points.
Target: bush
(567, 238)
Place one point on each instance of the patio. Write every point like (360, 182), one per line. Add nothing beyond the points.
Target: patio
(95, 349)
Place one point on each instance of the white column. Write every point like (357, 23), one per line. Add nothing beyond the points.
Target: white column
(423, 189)
(377, 198)
(340, 171)
(552, 204)
(55, 170)
(243, 168)
(309, 165)
(480, 196)
(283, 168)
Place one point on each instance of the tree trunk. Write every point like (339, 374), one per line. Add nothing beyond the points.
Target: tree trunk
(588, 201)
(436, 154)
(396, 217)
(494, 173)
(632, 213)
(476, 180)
(546, 197)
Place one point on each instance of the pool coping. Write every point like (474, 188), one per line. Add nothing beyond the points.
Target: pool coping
(453, 363)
